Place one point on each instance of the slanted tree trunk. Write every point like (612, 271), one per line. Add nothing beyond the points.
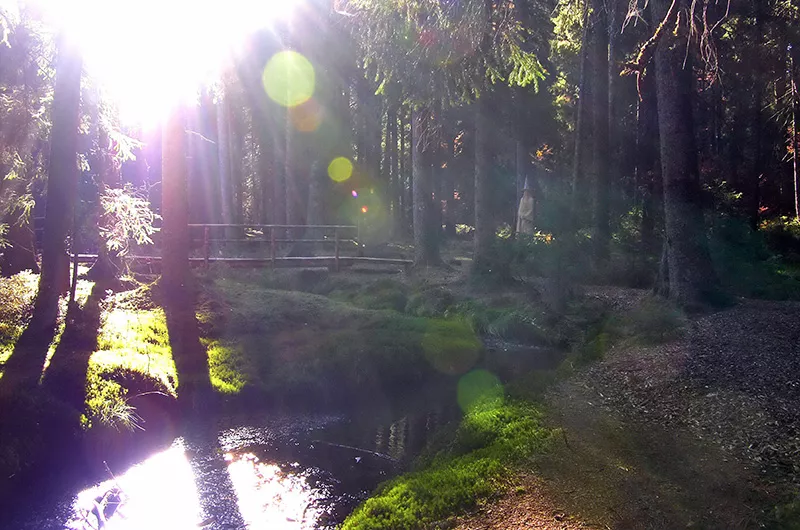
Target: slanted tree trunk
(600, 126)
(691, 276)
(24, 367)
(426, 240)
(484, 227)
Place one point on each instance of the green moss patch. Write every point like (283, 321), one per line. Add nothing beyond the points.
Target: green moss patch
(492, 439)
(133, 355)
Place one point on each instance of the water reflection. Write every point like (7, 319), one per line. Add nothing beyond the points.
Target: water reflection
(270, 497)
(157, 493)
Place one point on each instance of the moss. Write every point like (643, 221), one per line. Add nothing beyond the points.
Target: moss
(133, 355)
(493, 438)
(289, 343)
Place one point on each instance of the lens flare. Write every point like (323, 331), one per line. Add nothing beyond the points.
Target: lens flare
(289, 78)
(340, 169)
(364, 209)
(306, 117)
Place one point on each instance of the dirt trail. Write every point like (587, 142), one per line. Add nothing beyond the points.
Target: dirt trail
(698, 433)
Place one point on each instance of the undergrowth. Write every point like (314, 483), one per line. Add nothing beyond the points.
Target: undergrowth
(493, 438)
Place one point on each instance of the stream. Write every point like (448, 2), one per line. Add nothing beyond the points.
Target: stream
(259, 470)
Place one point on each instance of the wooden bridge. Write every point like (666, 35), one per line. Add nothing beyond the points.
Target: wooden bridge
(340, 237)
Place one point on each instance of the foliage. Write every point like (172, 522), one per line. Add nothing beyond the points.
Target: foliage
(745, 263)
(493, 438)
(17, 293)
(128, 218)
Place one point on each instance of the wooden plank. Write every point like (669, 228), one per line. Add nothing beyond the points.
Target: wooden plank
(257, 240)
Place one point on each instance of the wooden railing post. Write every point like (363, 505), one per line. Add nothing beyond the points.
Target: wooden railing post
(336, 249)
(272, 246)
(206, 247)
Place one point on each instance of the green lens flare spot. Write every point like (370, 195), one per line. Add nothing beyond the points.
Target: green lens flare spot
(477, 388)
(340, 169)
(289, 78)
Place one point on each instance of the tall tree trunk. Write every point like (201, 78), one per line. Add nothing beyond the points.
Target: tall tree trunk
(600, 122)
(754, 195)
(484, 227)
(795, 135)
(691, 276)
(582, 138)
(175, 202)
(224, 159)
(406, 176)
(24, 367)
(107, 265)
(648, 174)
(426, 240)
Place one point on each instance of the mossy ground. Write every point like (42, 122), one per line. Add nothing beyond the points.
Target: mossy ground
(493, 438)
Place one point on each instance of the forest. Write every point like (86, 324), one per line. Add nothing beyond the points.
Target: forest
(399, 264)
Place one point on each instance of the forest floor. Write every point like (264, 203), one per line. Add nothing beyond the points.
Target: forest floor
(699, 432)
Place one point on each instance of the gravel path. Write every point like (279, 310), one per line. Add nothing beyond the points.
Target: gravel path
(701, 432)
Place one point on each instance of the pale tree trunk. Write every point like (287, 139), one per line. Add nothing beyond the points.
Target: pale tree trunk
(692, 279)
(426, 240)
(484, 227)
(600, 122)
(24, 367)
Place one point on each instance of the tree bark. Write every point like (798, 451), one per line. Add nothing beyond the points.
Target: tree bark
(107, 265)
(426, 240)
(224, 159)
(795, 135)
(692, 279)
(648, 174)
(24, 367)
(582, 116)
(484, 227)
(601, 131)
(175, 203)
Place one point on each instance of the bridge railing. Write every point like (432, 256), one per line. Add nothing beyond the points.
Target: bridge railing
(275, 235)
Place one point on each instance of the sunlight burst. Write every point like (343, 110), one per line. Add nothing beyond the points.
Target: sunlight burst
(150, 55)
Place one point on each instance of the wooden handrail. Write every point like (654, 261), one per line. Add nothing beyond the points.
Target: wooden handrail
(219, 225)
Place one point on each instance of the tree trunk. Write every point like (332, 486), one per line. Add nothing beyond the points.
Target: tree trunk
(24, 367)
(107, 265)
(754, 195)
(426, 240)
(224, 159)
(691, 276)
(582, 115)
(175, 203)
(484, 227)
(795, 135)
(647, 165)
(601, 131)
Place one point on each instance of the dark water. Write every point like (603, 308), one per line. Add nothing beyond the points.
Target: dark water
(260, 470)
(263, 470)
